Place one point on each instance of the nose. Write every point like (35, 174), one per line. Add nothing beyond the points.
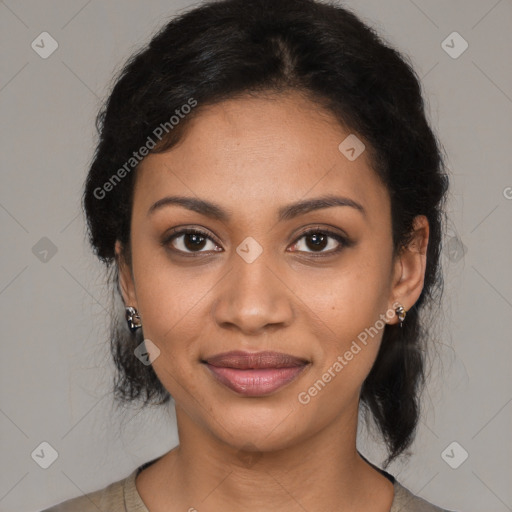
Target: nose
(253, 298)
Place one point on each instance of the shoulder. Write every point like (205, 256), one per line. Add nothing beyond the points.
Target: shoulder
(406, 501)
(111, 498)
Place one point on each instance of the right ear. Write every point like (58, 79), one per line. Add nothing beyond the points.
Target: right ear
(125, 277)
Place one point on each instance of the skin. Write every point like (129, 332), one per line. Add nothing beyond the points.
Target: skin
(252, 156)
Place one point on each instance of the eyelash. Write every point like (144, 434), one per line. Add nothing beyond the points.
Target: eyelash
(343, 241)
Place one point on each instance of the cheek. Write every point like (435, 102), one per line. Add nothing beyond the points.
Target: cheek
(350, 298)
(347, 316)
(171, 302)
(169, 296)
(346, 352)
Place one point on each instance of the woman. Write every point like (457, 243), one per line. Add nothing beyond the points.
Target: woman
(269, 195)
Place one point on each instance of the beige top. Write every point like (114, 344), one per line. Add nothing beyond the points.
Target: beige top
(122, 496)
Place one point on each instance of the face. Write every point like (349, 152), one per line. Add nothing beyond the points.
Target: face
(269, 270)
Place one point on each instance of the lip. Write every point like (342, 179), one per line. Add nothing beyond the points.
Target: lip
(257, 373)
(245, 360)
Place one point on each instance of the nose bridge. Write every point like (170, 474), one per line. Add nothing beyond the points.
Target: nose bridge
(252, 297)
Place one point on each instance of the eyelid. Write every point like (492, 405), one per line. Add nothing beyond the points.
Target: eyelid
(183, 230)
(323, 229)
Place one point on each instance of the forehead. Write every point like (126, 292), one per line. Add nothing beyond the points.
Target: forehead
(252, 153)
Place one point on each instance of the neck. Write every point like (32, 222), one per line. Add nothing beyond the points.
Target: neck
(322, 472)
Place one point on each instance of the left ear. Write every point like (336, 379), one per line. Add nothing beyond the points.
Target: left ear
(410, 265)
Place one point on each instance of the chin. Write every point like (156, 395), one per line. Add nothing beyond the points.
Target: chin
(258, 429)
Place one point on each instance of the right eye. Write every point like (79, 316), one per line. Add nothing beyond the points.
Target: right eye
(190, 241)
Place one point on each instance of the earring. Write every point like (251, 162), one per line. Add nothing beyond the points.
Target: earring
(400, 313)
(133, 319)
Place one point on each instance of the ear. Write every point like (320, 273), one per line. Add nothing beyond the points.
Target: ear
(409, 268)
(125, 277)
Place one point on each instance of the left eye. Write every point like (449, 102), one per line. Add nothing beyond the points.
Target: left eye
(319, 240)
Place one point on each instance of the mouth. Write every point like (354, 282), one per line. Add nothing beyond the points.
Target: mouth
(255, 374)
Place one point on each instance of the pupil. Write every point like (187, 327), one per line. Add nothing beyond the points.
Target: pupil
(198, 241)
(319, 241)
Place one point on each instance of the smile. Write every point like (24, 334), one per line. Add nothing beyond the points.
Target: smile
(255, 374)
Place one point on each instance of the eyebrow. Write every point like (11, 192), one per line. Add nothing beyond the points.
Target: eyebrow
(287, 212)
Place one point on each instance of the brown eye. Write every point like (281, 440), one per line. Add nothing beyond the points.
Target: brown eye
(317, 241)
(190, 241)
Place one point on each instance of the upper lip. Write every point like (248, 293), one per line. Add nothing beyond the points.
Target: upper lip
(245, 360)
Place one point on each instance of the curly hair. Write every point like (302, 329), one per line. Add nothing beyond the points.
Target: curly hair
(228, 48)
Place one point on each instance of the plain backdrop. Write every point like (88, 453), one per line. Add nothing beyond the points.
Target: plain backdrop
(56, 372)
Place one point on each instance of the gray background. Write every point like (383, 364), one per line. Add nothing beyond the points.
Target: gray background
(55, 366)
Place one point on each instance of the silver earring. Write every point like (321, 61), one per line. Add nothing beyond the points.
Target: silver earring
(133, 319)
(400, 313)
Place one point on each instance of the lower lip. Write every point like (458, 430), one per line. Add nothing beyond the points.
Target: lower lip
(255, 382)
